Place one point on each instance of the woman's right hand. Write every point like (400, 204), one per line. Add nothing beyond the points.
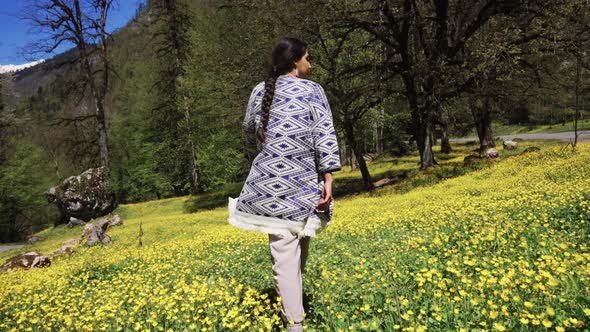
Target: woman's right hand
(326, 196)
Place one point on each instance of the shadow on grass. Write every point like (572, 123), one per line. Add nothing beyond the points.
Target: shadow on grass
(308, 306)
(214, 199)
(431, 176)
(407, 178)
(397, 179)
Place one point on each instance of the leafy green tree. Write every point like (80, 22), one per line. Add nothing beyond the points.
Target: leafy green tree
(170, 123)
(217, 80)
(135, 172)
(426, 45)
(355, 92)
(23, 180)
(573, 37)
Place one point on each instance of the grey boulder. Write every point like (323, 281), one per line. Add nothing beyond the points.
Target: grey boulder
(510, 145)
(492, 153)
(67, 247)
(75, 222)
(85, 196)
(25, 261)
(96, 234)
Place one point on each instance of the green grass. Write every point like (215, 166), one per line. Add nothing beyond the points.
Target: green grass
(502, 130)
(504, 246)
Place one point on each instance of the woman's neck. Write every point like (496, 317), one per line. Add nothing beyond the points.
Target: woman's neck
(292, 73)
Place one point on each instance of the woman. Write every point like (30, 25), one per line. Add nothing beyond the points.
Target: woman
(288, 192)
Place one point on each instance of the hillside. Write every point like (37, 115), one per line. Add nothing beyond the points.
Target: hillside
(503, 248)
(56, 69)
(27, 81)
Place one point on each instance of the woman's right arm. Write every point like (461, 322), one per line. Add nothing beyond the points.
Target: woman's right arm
(326, 197)
(325, 143)
(323, 132)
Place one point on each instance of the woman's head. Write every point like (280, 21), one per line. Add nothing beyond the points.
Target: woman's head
(288, 55)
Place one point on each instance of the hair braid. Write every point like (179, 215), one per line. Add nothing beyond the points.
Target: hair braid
(269, 92)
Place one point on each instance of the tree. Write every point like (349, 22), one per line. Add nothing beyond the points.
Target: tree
(341, 60)
(575, 43)
(425, 45)
(23, 179)
(213, 87)
(554, 58)
(11, 123)
(84, 26)
(355, 93)
(172, 22)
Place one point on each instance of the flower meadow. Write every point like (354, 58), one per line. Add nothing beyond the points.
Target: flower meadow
(503, 248)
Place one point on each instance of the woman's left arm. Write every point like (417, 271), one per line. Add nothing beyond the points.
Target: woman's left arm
(249, 126)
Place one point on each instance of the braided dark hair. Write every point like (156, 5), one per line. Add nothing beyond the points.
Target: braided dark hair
(284, 55)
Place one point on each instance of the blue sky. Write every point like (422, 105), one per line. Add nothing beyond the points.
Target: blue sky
(14, 31)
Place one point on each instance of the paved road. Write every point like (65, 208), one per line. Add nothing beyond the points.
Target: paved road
(583, 136)
(5, 247)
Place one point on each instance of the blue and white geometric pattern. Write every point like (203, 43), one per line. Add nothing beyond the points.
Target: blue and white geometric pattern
(285, 180)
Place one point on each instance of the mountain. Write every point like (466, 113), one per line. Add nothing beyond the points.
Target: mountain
(14, 68)
(29, 79)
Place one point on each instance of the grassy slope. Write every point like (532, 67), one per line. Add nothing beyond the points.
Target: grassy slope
(349, 182)
(345, 181)
(443, 250)
(500, 129)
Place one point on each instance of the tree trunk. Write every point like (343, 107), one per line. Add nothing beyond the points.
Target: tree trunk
(53, 153)
(351, 158)
(445, 145)
(481, 112)
(427, 135)
(102, 133)
(423, 134)
(194, 168)
(102, 123)
(378, 127)
(98, 97)
(368, 182)
(358, 152)
(422, 121)
(577, 92)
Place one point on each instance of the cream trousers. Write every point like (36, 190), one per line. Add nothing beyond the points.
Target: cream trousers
(288, 256)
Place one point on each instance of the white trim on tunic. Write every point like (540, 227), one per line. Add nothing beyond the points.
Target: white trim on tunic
(270, 225)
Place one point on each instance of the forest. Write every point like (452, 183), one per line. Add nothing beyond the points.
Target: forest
(160, 102)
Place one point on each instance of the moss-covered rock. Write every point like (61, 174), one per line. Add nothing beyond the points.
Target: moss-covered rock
(85, 196)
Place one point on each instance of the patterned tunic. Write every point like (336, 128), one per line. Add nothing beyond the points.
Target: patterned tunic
(286, 178)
